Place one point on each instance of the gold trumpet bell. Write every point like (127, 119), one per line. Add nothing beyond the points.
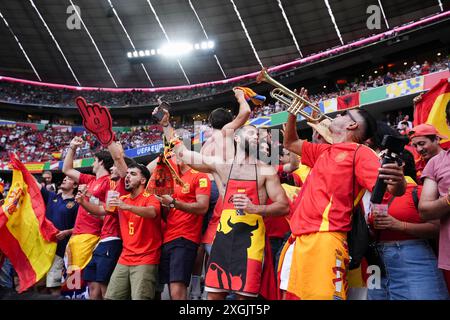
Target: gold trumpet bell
(295, 102)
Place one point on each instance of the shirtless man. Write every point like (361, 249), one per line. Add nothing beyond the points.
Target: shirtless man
(223, 127)
(237, 253)
(221, 139)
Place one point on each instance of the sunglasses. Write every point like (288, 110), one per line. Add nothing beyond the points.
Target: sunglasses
(347, 113)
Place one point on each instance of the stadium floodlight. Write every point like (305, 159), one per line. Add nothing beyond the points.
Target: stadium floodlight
(172, 49)
(176, 49)
(438, 54)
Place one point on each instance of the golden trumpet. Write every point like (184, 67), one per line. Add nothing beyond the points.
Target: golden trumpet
(295, 102)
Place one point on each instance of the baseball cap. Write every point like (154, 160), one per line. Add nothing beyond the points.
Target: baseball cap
(425, 129)
(323, 128)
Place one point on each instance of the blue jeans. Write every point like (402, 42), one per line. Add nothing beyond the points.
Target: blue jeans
(411, 273)
(7, 274)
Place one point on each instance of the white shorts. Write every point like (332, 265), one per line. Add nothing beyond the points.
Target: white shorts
(54, 275)
(286, 268)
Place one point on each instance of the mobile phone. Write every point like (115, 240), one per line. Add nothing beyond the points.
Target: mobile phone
(163, 105)
(157, 117)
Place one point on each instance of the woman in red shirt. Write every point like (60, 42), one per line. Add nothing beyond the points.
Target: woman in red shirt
(409, 261)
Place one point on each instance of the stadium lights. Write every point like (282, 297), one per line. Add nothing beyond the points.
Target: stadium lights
(173, 49)
(438, 54)
(176, 49)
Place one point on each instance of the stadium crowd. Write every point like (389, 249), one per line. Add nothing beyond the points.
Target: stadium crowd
(41, 95)
(364, 82)
(41, 146)
(34, 145)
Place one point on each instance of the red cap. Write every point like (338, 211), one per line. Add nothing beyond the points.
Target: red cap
(425, 129)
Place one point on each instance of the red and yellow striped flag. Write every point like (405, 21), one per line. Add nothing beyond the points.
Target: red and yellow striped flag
(431, 109)
(27, 238)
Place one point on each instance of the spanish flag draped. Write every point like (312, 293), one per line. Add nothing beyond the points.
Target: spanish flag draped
(27, 238)
(431, 109)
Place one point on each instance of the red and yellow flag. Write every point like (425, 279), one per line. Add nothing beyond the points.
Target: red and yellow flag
(431, 109)
(27, 238)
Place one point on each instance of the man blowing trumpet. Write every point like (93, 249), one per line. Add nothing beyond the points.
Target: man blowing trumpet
(341, 173)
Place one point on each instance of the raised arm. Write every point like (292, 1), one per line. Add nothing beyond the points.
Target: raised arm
(293, 163)
(68, 169)
(196, 160)
(243, 115)
(116, 150)
(165, 123)
(431, 206)
(291, 140)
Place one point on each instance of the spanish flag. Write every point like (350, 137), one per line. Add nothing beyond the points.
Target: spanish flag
(27, 238)
(56, 155)
(431, 109)
(252, 96)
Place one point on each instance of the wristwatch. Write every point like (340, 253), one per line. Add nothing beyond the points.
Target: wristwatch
(172, 204)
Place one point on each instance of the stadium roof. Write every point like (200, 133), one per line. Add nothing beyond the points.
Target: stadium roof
(247, 35)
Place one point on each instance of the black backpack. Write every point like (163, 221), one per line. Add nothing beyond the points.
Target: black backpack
(358, 237)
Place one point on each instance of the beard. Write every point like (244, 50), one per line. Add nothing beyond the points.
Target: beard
(129, 186)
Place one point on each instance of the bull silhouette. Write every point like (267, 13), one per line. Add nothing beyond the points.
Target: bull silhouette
(236, 241)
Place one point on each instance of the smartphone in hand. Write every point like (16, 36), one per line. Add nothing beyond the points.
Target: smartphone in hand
(163, 105)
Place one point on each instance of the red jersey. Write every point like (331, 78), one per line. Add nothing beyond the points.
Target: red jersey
(404, 209)
(300, 175)
(86, 223)
(111, 221)
(327, 196)
(141, 236)
(183, 224)
(276, 227)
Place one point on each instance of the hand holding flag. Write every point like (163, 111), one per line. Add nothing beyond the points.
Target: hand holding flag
(27, 238)
(251, 95)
